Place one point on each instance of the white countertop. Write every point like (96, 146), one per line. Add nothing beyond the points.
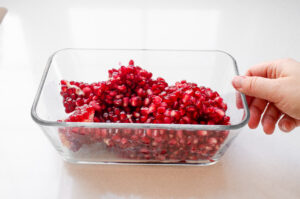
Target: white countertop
(255, 166)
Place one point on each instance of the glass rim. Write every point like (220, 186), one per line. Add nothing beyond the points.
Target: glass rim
(43, 122)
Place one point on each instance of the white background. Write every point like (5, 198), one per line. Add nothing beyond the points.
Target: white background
(255, 166)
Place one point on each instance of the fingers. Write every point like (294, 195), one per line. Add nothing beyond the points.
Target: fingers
(267, 69)
(270, 118)
(249, 100)
(257, 87)
(257, 107)
(287, 124)
(264, 83)
(239, 102)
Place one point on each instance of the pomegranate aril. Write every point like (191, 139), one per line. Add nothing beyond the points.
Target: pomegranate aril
(157, 100)
(145, 140)
(122, 88)
(161, 110)
(152, 108)
(125, 101)
(118, 102)
(130, 95)
(143, 118)
(135, 101)
(146, 101)
(149, 92)
(87, 91)
(140, 92)
(131, 63)
(144, 111)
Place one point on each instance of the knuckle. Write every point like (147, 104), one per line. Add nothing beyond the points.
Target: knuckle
(252, 84)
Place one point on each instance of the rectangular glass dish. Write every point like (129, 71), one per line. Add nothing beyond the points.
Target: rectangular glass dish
(99, 143)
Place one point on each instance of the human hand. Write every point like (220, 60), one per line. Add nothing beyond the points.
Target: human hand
(272, 90)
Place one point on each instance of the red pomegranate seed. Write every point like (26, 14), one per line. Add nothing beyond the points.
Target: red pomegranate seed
(87, 91)
(135, 101)
(144, 110)
(157, 100)
(131, 95)
(161, 110)
(212, 141)
(131, 63)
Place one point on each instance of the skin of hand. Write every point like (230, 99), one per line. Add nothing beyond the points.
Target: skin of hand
(272, 90)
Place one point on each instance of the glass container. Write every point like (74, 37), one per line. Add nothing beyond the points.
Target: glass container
(115, 143)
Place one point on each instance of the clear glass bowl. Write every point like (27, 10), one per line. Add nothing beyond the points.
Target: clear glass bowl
(95, 143)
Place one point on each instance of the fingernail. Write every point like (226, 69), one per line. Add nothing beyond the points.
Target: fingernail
(267, 122)
(237, 81)
(285, 127)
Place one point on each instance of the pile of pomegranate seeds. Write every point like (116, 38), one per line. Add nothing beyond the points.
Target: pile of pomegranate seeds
(131, 95)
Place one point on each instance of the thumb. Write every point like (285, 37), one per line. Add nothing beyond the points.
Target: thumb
(259, 87)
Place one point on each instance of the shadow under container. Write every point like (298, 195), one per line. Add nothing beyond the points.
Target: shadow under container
(128, 143)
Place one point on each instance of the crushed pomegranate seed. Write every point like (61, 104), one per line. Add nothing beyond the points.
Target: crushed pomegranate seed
(131, 95)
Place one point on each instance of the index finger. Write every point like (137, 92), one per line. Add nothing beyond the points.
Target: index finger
(266, 69)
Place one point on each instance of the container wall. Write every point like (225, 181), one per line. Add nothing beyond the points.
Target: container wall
(81, 144)
(212, 69)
